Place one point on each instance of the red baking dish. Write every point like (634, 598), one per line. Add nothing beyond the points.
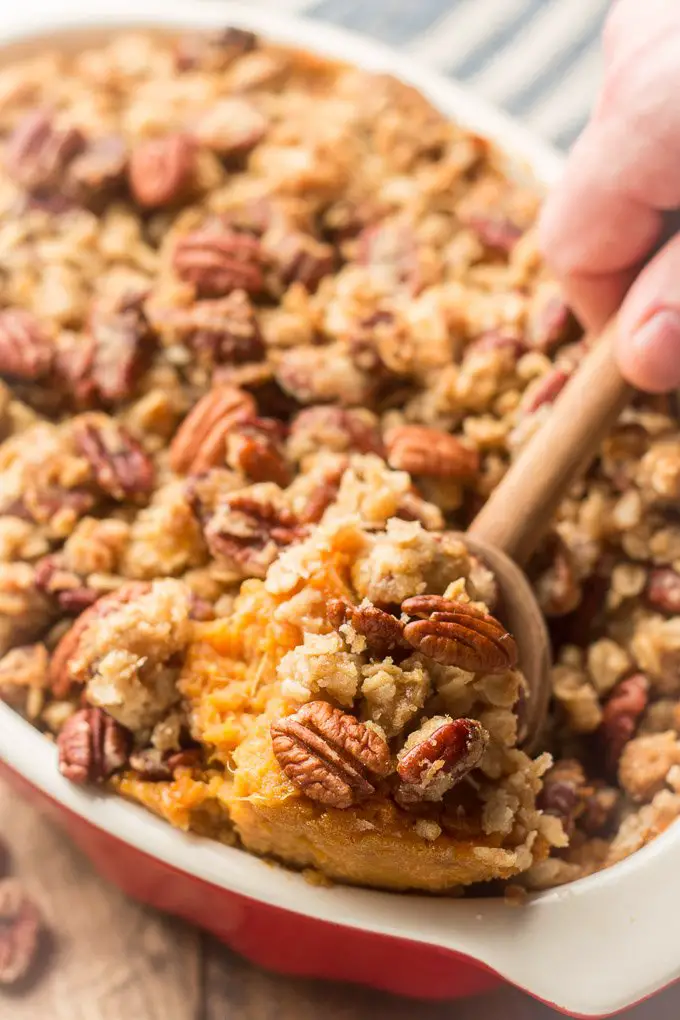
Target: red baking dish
(590, 949)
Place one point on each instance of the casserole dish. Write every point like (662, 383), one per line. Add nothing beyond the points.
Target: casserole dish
(565, 947)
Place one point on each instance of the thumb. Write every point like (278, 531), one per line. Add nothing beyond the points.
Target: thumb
(649, 324)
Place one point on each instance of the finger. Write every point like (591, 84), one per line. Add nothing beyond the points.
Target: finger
(593, 231)
(648, 346)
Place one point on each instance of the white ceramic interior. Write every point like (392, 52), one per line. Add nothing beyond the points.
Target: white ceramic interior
(590, 948)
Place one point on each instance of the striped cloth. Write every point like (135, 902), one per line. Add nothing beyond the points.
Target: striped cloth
(540, 59)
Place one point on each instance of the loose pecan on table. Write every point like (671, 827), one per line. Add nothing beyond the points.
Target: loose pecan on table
(383, 632)
(331, 756)
(426, 451)
(120, 466)
(161, 170)
(217, 262)
(255, 448)
(38, 153)
(60, 676)
(662, 592)
(26, 352)
(621, 715)
(453, 749)
(92, 746)
(20, 931)
(200, 441)
(457, 634)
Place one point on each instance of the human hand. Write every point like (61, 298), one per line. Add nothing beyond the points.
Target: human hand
(606, 216)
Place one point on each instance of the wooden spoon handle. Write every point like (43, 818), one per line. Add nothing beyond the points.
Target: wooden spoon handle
(516, 515)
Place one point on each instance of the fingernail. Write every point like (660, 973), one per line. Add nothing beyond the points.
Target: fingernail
(652, 361)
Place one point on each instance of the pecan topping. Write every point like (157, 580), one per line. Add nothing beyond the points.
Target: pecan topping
(322, 495)
(92, 746)
(248, 532)
(255, 447)
(156, 766)
(496, 340)
(383, 632)
(452, 749)
(200, 441)
(99, 170)
(219, 332)
(557, 587)
(231, 127)
(161, 170)
(547, 390)
(425, 451)
(217, 263)
(25, 351)
(38, 154)
(495, 232)
(663, 590)
(63, 585)
(334, 428)
(300, 258)
(621, 714)
(331, 756)
(564, 792)
(457, 634)
(213, 51)
(550, 321)
(121, 467)
(391, 247)
(20, 929)
(121, 345)
(60, 677)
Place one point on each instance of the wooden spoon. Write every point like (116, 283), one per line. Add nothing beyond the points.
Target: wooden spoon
(509, 527)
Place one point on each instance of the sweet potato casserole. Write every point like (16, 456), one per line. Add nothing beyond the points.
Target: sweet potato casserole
(271, 329)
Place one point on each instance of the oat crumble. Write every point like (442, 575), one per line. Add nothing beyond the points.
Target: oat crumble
(271, 329)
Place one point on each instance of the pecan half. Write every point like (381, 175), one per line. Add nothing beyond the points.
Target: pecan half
(564, 792)
(255, 447)
(663, 590)
(331, 756)
(299, 258)
(457, 634)
(248, 532)
(451, 750)
(200, 441)
(60, 678)
(20, 930)
(25, 350)
(99, 171)
(495, 232)
(63, 585)
(122, 346)
(219, 332)
(92, 746)
(620, 716)
(231, 127)
(496, 340)
(38, 154)
(121, 467)
(161, 170)
(156, 766)
(213, 51)
(383, 632)
(425, 451)
(218, 262)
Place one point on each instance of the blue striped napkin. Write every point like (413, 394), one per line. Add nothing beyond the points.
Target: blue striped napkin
(540, 59)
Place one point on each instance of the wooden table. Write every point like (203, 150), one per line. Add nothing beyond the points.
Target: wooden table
(114, 960)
